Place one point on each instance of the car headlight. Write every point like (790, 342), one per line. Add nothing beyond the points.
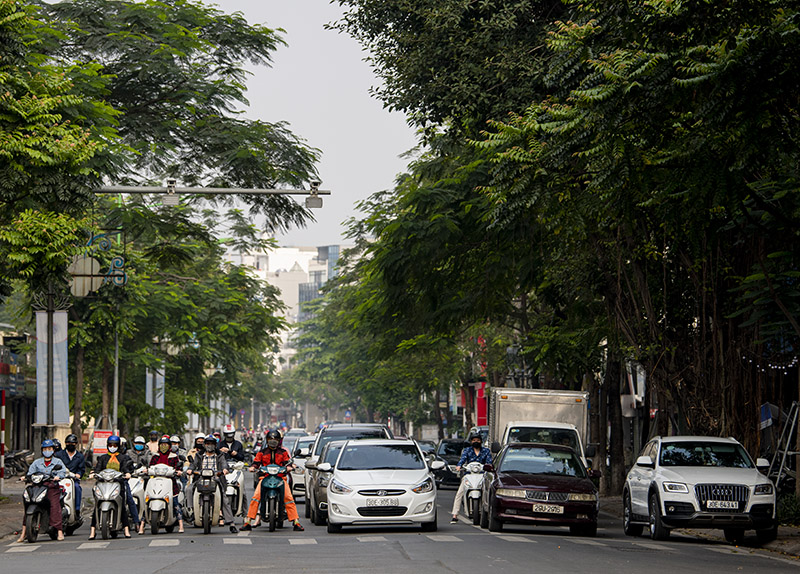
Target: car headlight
(339, 488)
(675, 487)
(582, 497)
(424, 486)
(763, 488)
(511, 492)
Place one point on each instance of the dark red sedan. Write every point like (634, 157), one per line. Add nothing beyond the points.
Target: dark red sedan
(543, 484)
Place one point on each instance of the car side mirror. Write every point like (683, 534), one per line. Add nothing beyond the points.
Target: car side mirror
(591, 451)
(324, 467)
(495, 447)
(595, 474)
(645, 461)
(762, 464)
(302, 452)
(437, 465)
(488, 468)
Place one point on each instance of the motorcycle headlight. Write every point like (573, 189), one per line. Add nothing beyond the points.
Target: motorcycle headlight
(97, 492)
(511, 492)
(26, 496)
(675, 487)
(763, 488)
(339, 488)
(582, 497)
(424, 486)
(41, 496)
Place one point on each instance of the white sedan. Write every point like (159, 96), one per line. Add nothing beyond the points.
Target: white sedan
(381, 482)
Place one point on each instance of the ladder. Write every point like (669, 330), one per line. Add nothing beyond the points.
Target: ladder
(778, 469)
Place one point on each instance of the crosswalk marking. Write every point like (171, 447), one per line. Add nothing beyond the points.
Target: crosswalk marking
(165, 542)
(371, 538)
(302, 541)
(444, 538)
(93, 545)
(652, 546)
(515, 539)
(244, 533)
(237, 541)
(586, 542)
(26, 548)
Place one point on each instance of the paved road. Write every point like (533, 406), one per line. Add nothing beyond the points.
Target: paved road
(458, 547)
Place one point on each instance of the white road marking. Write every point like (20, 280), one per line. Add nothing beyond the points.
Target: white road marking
(515, 539)
(723, 550)
(652, 546)
(444, 538)
(26, 548)
(244, 533)
(93, 545)
(237, 541)
(165, 542)
(371, 539)
(302, 541)
(586, 541)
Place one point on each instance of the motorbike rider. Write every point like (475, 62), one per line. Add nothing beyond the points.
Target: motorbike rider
(122, 462)
(166, 456)
(75, 463)
(273, 453)
(55, 468)
(140, 454)
(212, 460)
(197, 449)
(230, 447)
(475, 452)
(153, 444)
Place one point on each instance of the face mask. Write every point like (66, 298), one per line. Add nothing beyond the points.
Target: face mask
(72, 447)
(138, 446)
(47, 453)
(174, 448)
(113, 449)
(198, 446)
(476, 444)
(163, 447)
(210, 448)
(273, 444)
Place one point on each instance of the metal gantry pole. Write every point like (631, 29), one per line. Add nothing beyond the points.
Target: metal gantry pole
(51, 308)
(2, 440)
(116, 380)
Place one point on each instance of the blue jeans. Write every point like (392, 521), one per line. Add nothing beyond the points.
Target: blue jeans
(134, 512)
(78, 495)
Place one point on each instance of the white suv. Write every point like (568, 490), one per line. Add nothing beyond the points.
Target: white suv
(698, 482)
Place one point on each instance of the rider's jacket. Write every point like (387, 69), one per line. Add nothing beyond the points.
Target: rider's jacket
(76, 464)
(53, 468)
(468, 455)
(265, 456)
(234, 446)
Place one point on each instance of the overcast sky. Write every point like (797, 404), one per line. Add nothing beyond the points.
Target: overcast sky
(320, 84)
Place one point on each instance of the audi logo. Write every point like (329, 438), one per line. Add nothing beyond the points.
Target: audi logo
(722, 492)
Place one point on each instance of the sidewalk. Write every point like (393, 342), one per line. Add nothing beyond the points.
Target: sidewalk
(11, 508)
(788, 541)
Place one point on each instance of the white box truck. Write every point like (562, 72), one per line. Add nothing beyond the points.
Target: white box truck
(540, 415)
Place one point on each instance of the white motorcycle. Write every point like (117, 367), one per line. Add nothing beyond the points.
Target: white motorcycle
(71, 517)
(158, 495)
(137, 485)
(233, 487)
(473, 476)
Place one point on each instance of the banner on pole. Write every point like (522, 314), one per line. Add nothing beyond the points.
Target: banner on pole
(60, 381)
(154, 387)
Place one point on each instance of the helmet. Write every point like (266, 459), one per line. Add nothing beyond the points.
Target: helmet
(57, 444)
(229, 431)
(210, 438)
(473, 435)
(163, 439)
(274, 436)
(113, 439)
(47, 443)
(175, 438)
(154, 434)
(71, 438)
(217, 435)
(139, 440)
(199, 436)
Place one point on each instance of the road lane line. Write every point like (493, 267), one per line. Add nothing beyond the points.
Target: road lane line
(302, 541)
(371, 539)
(93, 545)
(515, 538)
(236, 541)
(26, 548)
(652, 546)
(444, 538)
(165, 542)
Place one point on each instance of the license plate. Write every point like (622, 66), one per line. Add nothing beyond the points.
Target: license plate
(548, 508)
(383, 502)
(723, 504)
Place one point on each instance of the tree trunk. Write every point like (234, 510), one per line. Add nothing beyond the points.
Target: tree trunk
(602, 438)
(105, 418)
(123, 371)
(468, 415)
(77, 405)
(612, 382)
(438, 412)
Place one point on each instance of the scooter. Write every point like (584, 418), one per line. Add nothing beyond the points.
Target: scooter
(234, 480)
(37, 507)
(158, 496)
(206, 501)
(272, 489)
(472, 497)
(137, 483)
(109, 502)
(72, 519)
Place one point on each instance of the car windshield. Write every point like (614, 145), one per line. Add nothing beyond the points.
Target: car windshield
(427, 447)
(535, 460)
(564, 437)
(451, 448)
(289, 443)
(349, 434)
(332, 454)
(381, 457)
(704, 454)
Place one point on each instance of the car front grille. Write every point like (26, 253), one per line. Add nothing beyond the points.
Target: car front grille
(547, 496)
(382, 492)
(382, 510)
(725, 492)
